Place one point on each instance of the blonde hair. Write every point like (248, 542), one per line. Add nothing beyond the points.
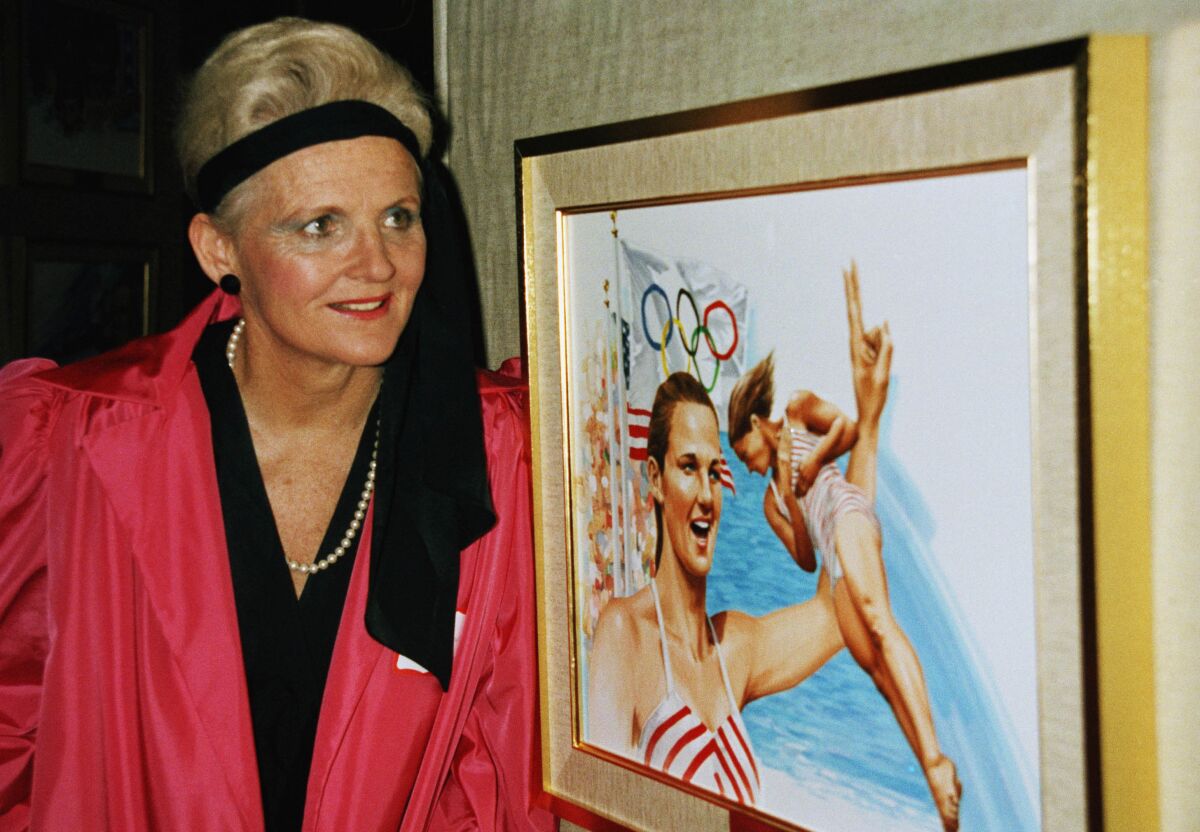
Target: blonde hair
(753, 395)
(263, 73)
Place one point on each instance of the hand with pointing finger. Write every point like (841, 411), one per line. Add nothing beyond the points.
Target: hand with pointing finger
(870, 355)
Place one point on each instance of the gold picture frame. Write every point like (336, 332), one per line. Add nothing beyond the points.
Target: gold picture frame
(1073, 116)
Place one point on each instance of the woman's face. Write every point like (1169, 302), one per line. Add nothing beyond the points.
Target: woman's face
(331, 251)
(753, 449)
(688, 488)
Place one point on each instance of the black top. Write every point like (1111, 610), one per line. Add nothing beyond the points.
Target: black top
(287, 642)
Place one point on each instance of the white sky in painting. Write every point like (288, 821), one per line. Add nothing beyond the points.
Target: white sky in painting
(945, 262)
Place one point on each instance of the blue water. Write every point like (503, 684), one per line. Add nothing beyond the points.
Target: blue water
(834, 734)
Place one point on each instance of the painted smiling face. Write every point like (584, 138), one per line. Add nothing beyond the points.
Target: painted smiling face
(331, 252)
(688, 487)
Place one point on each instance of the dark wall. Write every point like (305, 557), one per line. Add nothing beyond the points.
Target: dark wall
(92, 213)
(402, 28)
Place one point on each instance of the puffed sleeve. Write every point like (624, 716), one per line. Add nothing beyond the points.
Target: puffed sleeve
(26, 409)
(493, 778)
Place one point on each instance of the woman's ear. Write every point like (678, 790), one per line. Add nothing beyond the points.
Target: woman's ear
(213, 248)
(655, 479)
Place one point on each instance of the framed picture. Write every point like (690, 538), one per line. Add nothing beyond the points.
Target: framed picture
(9, 85)
(830, 508)
(74, 301)
(84, 105)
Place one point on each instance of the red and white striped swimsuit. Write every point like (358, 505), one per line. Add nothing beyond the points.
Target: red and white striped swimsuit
(674, 739)
(830, 497)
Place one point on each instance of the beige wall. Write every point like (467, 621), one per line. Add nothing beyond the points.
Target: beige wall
(1175, 405)
(515, 68)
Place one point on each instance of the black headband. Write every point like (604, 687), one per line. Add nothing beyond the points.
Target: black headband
(331, 122)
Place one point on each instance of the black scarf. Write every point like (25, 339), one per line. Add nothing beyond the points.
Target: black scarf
(432, 497)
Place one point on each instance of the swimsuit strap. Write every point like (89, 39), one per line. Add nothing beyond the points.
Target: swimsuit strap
(790, 438)
(662, 638)
(733, 708)
(796, 438)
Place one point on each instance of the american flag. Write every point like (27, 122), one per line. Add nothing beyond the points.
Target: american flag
(639, 436)
(727, 476)
(639, 432)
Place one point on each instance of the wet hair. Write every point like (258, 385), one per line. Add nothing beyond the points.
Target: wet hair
(679, 388)
(753, 395)
(263, 73)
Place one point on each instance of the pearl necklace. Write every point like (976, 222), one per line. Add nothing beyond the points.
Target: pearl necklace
(364, 499)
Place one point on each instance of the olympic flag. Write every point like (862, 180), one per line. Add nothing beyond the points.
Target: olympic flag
(671, 314)
(680, 314)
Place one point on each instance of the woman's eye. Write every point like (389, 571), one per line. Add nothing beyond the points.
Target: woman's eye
(401, 218)
(319, 227)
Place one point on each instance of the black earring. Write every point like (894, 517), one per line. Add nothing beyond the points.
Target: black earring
(230, 284)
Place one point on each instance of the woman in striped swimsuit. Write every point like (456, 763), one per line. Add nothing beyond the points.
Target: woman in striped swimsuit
(811, 505)
(685, 718)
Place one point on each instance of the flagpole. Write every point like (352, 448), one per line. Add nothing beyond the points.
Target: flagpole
(617, 403)
(616, 441)
(623, 404)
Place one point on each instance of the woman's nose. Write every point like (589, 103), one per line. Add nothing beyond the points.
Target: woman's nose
(371, 257)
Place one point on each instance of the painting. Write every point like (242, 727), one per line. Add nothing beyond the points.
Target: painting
(825, 440)
(80, 301)
(84, 94)
(712, 288)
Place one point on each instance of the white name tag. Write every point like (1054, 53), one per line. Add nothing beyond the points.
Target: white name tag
(404, 663)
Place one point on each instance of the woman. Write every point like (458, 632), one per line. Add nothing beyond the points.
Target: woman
(233, 596)
(810, 505)
(667, 683)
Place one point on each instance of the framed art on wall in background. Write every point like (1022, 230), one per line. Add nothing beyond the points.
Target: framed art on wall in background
(72, 301)
(692, 613)
(10, 73)
(84, 104)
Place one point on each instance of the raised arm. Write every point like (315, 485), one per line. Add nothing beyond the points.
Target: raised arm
(778, 651)
(870, 364)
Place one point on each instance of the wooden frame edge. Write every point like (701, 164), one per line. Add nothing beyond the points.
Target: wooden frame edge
(1118, 340)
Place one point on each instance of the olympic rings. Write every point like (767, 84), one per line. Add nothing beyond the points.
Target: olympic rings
(720, 304)
(654, 287)
(666, 336)
(692, 361)
(679, 323)
(716, 364)
(691, 345)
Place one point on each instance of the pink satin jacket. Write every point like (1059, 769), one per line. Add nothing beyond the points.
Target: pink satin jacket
(123, 701)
